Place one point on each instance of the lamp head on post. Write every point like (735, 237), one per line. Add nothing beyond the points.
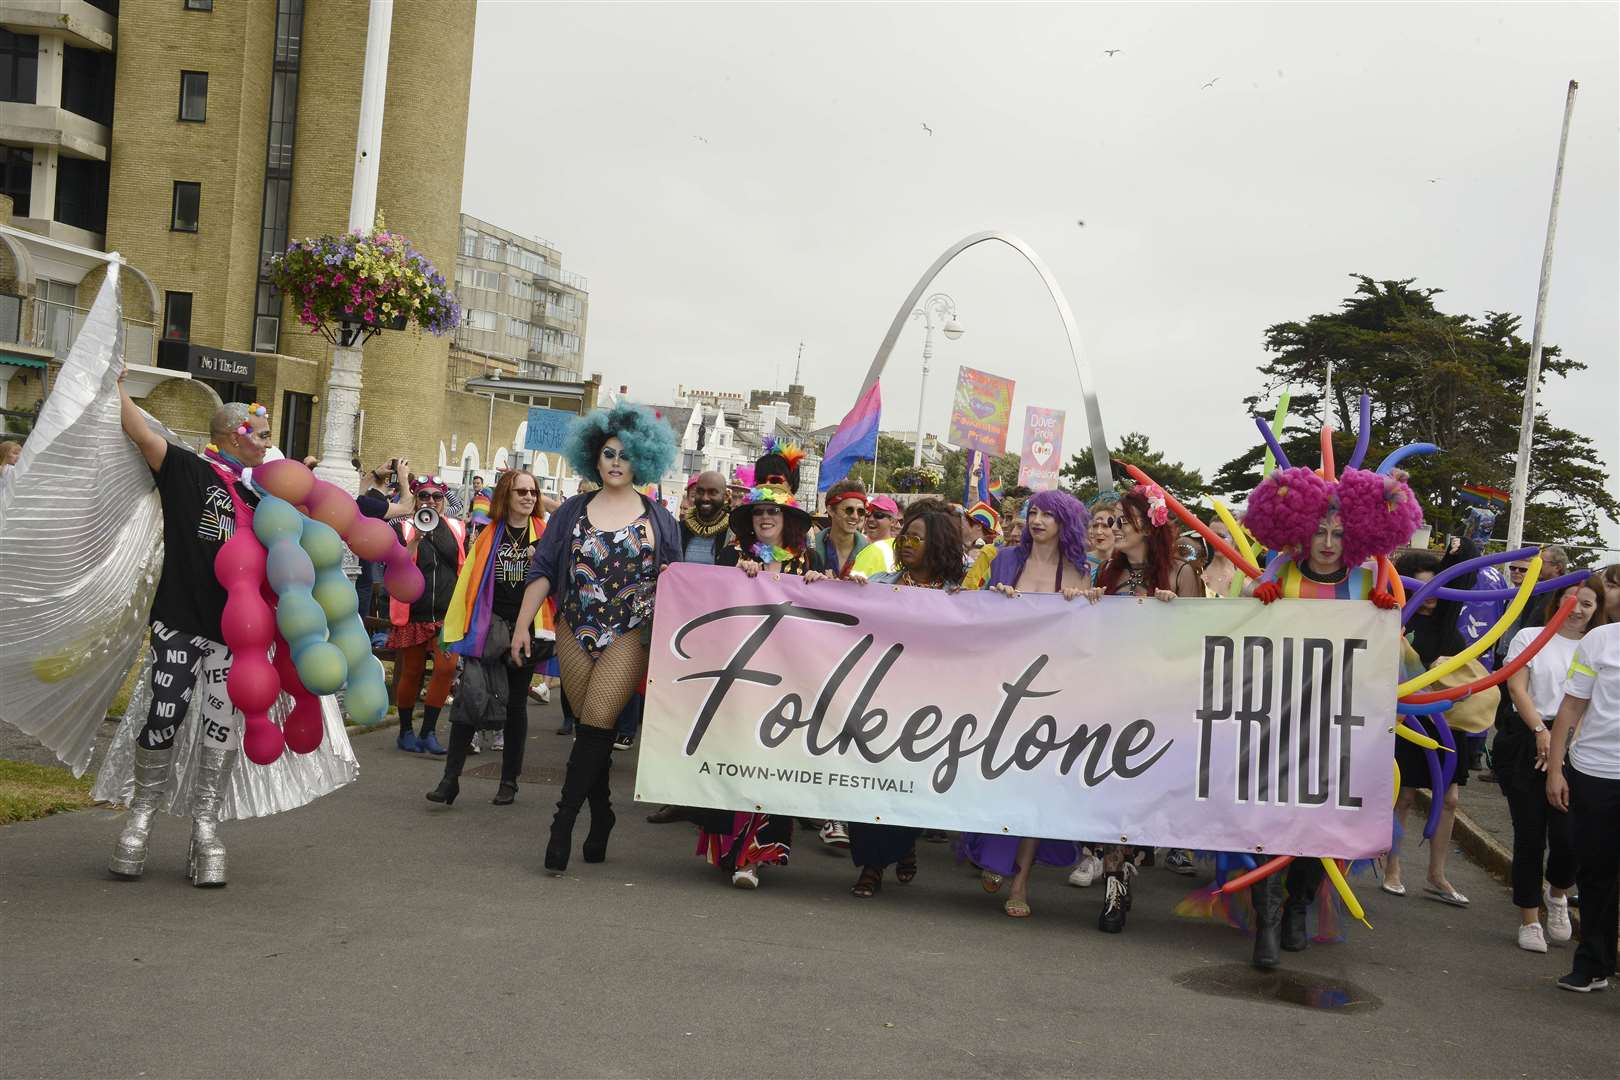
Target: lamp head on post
(953, 330)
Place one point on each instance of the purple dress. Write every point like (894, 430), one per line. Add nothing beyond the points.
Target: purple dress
(998, 852)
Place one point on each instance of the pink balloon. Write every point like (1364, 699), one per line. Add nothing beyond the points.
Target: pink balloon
(262, 742)
(240, 561)
(252, 682)
(285, 479)
(303, 727)
(403, 580)
(332, 505)
(248, 622)
(371, 539)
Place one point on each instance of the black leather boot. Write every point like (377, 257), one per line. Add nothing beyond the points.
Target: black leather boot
(461, 737)
(1267, 895)
(1304, 878)
(594, 850)
(592, 749)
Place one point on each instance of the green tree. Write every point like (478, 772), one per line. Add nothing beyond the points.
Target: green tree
(1453, 380)
(1079, 476)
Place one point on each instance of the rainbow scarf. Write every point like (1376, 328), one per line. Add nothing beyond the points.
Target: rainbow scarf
(466, 623)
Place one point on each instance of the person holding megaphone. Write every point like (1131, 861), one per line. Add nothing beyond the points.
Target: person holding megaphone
(438, 544)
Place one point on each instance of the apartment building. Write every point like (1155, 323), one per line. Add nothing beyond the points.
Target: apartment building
(523, 313)
(196, 138)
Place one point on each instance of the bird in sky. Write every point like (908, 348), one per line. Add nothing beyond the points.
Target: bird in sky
(1111, 52)
(928, 129)
(1436, 179)
(701, 139)
(1211, 83)
(1080, 222)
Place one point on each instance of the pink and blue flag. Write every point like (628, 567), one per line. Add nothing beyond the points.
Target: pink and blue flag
(855, 440)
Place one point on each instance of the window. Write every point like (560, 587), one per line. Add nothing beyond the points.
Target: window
(17, 177)
(187, 206)
(517, 328)
(177, 316)
(478, 319)
(81, 193)
(199, 5)
(296, 413)
(194, 96)
(87, 83)
(469, 241)
(490, 248)
(19, 66)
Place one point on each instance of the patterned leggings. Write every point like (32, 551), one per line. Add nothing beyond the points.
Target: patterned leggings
(177, 661)
(600, 685)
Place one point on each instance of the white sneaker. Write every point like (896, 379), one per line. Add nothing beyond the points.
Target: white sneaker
(834, 834)
(1531, 939)
(473, 748)
(749, 879)
(1086, 872)
(498, 743)
(1558, 928)
(545, 693)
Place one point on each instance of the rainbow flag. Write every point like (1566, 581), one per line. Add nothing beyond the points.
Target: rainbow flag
(855, 440)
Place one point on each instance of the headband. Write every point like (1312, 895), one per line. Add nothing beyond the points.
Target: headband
(858, 496)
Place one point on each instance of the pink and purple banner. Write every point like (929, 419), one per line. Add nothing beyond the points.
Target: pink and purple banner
(1042, 458)
(1206, 724)
(981, 411)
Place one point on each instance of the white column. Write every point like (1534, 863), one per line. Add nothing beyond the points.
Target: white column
(338, 430)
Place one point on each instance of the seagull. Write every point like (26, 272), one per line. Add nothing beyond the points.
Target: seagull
(928, 129)
(1436, 180)
(701, 139)
(1211, 83)
(1080, 223)
(1111, 52)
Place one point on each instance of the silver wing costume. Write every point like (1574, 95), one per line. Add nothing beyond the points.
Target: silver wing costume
(81, 541)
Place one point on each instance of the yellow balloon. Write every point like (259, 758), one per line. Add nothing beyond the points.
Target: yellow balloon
(1450, 664)
(1396, 796)
(1240, 537)
(1421, 739)
(1345, 894)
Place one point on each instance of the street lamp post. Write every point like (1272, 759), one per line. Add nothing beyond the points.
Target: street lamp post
(941, 307)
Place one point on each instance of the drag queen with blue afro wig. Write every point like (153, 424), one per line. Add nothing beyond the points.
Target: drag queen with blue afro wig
(599, 561)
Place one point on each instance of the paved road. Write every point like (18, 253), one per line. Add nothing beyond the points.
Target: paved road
(374, 934)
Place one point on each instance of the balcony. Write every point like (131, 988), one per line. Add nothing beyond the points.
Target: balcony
(56, 327)
(82, 24)
(566, 278)
(559, 316)
(52, 125)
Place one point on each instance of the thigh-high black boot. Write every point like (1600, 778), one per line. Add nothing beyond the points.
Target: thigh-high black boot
(593, 749)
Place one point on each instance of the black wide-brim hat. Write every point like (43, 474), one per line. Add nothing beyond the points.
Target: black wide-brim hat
(770, 495)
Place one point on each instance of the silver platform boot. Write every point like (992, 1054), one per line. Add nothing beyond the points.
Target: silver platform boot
(205, 862)
(151, 774)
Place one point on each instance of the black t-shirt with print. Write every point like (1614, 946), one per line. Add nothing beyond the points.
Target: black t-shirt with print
(512, 570)
(197, 520)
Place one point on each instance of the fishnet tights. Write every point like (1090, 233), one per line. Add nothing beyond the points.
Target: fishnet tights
(599, 688)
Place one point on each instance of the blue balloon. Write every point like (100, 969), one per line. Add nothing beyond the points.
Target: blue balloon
(321, 667)
(287, 567)
(276, 519)
(301, 621)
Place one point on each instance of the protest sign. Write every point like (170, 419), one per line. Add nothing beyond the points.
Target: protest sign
(1042, 458)
(981, 411)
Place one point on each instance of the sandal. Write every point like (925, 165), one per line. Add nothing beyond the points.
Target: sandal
(905, 871)
(869, 884)
(991, 880)
(1016, 909)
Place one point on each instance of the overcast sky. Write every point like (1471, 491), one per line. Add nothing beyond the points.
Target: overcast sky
(735, 178)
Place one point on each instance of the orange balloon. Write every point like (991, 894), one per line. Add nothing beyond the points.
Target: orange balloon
(285, 479)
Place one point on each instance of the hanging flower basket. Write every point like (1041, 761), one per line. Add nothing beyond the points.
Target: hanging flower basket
(349, 288)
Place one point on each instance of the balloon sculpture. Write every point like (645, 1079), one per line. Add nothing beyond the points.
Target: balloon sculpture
(285, 587)
(1365, 492)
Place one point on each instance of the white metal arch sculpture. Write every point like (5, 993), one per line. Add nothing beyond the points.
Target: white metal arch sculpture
(1094, 426)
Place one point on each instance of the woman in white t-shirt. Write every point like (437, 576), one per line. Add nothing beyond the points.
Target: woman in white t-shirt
(1519, 756)
(1589, 788)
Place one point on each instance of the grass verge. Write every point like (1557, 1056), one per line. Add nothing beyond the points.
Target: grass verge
(33, 791)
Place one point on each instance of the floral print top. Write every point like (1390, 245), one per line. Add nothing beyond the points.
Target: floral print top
(614, 575)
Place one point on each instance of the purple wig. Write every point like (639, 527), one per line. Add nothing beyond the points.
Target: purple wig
(1073, 519)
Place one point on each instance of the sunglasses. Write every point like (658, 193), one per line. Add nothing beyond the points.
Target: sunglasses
(880, 515)
(767, 511)
(1108, 522)
(435, 496)
(852, 511)
(519, 492)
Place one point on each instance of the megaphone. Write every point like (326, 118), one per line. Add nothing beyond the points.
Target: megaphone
(426, 519)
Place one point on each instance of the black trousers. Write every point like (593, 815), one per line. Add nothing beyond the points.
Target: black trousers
(1594, 811)
(1540, 830)
(516, 730)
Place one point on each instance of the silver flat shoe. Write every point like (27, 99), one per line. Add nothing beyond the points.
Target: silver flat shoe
(151, 774)
(205, 859)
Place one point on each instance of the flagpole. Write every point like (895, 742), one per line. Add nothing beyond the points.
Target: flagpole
(1527, 423)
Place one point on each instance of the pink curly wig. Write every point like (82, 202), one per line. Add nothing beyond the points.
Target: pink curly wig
(1379, 513)
(1284, 511)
